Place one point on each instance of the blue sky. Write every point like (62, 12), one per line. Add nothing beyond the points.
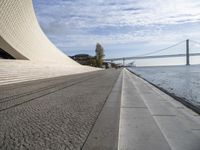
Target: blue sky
(123, 27)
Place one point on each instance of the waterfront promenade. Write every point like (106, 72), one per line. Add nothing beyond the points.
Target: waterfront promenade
(102, 110)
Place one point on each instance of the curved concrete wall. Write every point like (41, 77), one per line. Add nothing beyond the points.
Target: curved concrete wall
(22, 37)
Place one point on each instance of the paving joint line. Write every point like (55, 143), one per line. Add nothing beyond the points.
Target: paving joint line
(14, 97)
(99, 113)
(44, 95)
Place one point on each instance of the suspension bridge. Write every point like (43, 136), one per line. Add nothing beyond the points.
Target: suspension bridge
(150, 55)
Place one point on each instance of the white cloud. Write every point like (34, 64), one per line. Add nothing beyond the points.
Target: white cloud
(76, 24)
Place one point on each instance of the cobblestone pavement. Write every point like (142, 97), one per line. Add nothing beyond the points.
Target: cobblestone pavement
(54, 113)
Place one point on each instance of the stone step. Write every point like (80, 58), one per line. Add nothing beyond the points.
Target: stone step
(14, 71)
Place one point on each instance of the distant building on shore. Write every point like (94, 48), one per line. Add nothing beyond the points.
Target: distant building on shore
(84, 59)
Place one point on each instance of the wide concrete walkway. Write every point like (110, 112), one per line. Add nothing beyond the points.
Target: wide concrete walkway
(150, 119)
(53, 114)
(104, 110)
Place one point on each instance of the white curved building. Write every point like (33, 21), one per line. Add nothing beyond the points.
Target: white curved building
(22, 38)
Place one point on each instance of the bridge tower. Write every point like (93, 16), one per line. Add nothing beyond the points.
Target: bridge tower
(124, 62)
(187, 52)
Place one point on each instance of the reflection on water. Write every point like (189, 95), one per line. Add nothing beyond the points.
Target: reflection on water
(183, 81)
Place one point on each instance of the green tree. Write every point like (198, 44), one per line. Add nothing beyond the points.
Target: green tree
(99, 54)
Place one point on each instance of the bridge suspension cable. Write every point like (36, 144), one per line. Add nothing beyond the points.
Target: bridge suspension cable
(195, 42)
(160, 50)
(150, 56)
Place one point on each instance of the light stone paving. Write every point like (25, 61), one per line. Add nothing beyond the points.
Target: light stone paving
(152, 120)
(87, 111)
(54, 114)
(138, 130)
(104, 135)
